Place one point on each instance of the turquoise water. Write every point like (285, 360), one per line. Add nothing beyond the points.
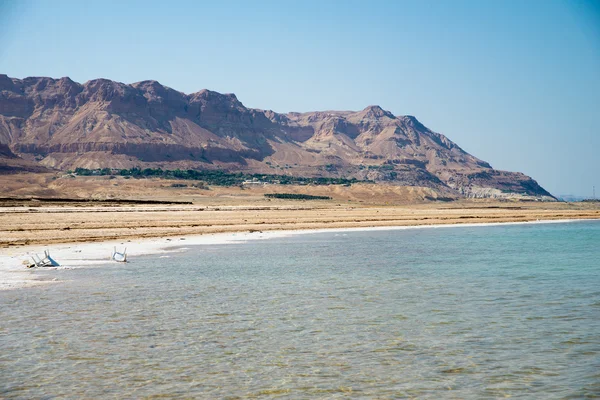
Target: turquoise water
(465, 312)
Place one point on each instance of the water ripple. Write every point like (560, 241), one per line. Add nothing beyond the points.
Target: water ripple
(468, 313)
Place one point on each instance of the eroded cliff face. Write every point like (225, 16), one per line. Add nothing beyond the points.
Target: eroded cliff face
(62, 124)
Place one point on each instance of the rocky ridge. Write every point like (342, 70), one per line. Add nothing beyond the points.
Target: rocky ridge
(61, 124)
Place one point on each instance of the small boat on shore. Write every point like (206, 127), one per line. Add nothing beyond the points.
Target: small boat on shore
(47, 261)
(119, 257)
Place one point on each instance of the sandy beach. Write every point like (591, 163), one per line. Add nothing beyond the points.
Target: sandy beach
(40, 223)
(80, 236)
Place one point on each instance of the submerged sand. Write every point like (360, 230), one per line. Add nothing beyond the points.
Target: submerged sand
(15, 274)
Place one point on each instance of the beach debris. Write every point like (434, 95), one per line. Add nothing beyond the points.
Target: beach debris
(119, 257)
(47, 261)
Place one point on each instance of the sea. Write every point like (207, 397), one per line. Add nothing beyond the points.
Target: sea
(485, 312)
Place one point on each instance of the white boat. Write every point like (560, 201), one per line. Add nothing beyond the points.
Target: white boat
(47, 261)
(119, 257)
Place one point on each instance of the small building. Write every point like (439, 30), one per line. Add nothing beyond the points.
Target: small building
(253, 182)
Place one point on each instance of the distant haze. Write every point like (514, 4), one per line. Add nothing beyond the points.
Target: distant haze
(515, 83)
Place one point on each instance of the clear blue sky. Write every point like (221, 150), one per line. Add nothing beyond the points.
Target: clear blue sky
(516, 83)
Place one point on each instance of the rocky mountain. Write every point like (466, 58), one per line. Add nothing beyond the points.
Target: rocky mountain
(61, 124)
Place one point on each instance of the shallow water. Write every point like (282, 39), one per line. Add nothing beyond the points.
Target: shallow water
(465, 312)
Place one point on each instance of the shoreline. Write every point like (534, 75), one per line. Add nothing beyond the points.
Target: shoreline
(15, 275)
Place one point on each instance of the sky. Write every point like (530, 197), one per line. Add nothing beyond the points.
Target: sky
(515, 83)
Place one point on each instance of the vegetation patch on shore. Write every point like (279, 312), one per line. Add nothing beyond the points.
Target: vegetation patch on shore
(214, 177)
(295, 196)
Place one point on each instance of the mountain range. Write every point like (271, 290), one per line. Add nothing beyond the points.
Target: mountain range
(59, 124)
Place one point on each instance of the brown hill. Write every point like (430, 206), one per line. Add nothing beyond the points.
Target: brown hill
(61, 124)
(11, 163)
